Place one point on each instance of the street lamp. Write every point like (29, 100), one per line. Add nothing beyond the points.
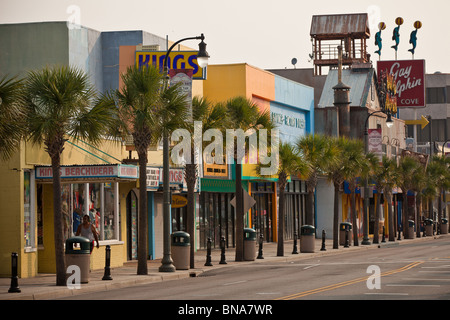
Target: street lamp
(167, 262)
(389, 121)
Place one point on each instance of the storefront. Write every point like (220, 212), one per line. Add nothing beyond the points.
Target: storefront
(93, 190)
(178, 189)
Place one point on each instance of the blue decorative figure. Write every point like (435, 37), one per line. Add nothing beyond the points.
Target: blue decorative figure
(413, 37)
(378, 40)
(396, 34)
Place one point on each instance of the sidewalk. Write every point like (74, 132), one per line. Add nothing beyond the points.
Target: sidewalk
(43, 286)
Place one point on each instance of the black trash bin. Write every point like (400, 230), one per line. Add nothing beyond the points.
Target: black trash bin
(307, 239)
(410, 234)
(444, 226)
(428, 227)
(249, 244)
(344, 226)
(78, 253)
(180, 248)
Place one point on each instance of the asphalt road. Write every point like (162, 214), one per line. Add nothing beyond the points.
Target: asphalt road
(416, 271)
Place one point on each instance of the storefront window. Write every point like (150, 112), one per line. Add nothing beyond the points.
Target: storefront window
(28, 229)
(99, 202)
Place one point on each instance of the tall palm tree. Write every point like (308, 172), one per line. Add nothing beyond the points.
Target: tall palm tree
(354, 163)
(385, 177)
(406, 169)
(59, 101)
(147, 109)
(11, 115)
(438, 172)
(317, 151)
(211, 117)
(290, 163)
(243, 114)
(335, 173)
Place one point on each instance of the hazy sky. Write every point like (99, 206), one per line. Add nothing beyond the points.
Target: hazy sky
(264, 33)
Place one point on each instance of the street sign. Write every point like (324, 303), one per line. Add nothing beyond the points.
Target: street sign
(423, 122)
(249, 202)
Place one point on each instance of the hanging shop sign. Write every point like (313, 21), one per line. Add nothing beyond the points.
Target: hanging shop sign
(176, 60)
(178, 201)
(409, 77)
(86, 172)
(155, 177)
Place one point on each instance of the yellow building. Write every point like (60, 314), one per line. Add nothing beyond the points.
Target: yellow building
(94, 182)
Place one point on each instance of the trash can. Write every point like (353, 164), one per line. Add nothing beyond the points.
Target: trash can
(307, 239)
(180, 248)
(410, 234)
(428, 227)
(342, 228)
(249, 244)
(78, 253)
(444, 226)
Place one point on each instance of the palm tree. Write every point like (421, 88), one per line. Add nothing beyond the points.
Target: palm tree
(245, 115)
(59, 101)
(11, 116)
(438, 172)
(147, 110)
(385, 176)
(211, 117)
(335, 172)
(289, 163)
(406, 169)
(354, 162)
(317, 151)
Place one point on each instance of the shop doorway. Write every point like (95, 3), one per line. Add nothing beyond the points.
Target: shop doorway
(132, 225)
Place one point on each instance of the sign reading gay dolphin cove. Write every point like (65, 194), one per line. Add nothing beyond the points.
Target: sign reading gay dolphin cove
(409, 76)
(176, 60)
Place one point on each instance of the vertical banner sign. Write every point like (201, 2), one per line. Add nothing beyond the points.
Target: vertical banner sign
(184, 78)
(375, 142)
(409, 76)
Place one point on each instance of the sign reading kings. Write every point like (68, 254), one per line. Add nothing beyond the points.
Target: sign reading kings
(409, 76)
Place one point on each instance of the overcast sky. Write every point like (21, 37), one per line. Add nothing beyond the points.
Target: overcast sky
(264, 33)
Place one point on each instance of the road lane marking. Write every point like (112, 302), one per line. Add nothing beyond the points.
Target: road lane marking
(312, 266)
(236, 282)
(412, 285)
(387, 293)
(346, 283)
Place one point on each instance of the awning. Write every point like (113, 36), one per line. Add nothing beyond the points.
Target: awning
(89, 173)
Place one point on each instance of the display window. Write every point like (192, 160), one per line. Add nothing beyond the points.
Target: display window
(94, 199)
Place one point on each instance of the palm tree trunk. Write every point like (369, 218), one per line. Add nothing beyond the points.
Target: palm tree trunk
(354, 220)
(191, 177)
(337, 194)
(376, 229)
(239, 255)
(390, 216)
(143, 218)
(405, 214)
(281, 213)
(418, 214)
(57, 220)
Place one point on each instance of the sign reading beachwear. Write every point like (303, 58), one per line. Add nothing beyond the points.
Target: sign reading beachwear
(90, 171)
(176, 60)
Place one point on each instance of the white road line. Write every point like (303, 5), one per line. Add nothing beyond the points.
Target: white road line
(312, 266)
(388, 294)
(425, 279)
(412, 285)
(236, 282)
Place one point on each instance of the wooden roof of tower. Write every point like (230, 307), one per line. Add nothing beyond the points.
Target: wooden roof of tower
(348, 30)
(340, 26)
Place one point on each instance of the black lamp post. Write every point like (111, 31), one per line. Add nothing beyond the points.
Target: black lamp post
(167, 262)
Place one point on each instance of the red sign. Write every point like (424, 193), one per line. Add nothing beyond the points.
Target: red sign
(409, 75)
